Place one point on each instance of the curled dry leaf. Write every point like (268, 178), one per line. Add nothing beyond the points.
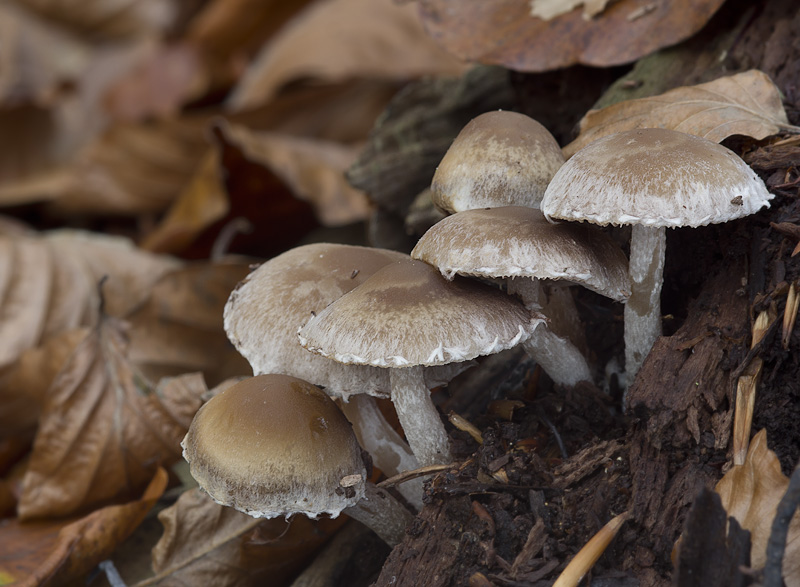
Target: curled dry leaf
(102, 433)
(58, 552)
(107, 19)
(503, 32)
(205, 543)
(750, 493)
(746, 104)
(49, 284)
(179, 328)
(343, 39)
(312, 168)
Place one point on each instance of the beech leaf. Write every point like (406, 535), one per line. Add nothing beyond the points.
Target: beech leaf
(102, 433)
(205, 543)
(750, 493)
(46, 552)
(746, 104)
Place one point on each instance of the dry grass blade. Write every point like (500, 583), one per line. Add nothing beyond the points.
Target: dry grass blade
(790, 315)
(746, 104)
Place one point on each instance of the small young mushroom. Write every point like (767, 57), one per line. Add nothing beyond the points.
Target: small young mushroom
(407, 317)
(275, 445)
(517, 244)
(652, 179)
(499, 158)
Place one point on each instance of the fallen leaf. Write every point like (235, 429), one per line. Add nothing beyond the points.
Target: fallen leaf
(107, 19)
(343, 39)
(312, 168)
(102, 433)
(49, 284)
(750, 493)
(57, 552)
(179, 328)
(205, 543)
(549, 9)
(746, 104)
(504, 33)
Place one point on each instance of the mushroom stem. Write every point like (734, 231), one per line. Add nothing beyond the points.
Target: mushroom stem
(388, 450)
(381, 513)
(418, 416)
(557, 356)
(643, 309)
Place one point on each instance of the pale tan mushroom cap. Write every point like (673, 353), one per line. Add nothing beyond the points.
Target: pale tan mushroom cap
(407, 314)
(274, 445)
(265, 311)
(654, 177)
(498, 159)
(515, 241)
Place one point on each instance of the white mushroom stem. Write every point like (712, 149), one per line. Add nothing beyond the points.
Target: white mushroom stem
(381, 513)
(388, 450)
(643, 309)
(418, 416)
(557, 356)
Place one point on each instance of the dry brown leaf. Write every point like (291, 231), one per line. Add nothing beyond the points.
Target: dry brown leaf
(312, 168)
(750, 493)
(49, 284)
(179, 329)
(746, 104)
(107, 19)
(205, 543)
(103, 432)
(57, 552)
(503, 32)
(343, 39)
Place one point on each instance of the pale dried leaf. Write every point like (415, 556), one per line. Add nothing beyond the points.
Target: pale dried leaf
(64, 551)
(205, 543)
(549, 9)
(49, 284)
(746, 104)
(343, 39)
(750, 493)
(107, 19)
(179, 329)
(312, 168)
(103, 432)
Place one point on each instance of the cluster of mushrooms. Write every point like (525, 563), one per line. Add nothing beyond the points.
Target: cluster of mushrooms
(327, 322)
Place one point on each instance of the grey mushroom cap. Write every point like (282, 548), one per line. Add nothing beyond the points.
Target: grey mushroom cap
(274, 445)
(407, 314)
(515, 241)
(498, 159)
(263, 314)
(654, 177)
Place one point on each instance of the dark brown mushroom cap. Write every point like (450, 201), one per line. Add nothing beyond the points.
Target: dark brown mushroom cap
(407, 314)
(265, 311)
(515, 241)
(654, 177)
(274, 445)
(498, 159)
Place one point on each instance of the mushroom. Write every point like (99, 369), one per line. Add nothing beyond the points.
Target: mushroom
(407, 317)
(262, 317)
(517, 244)
(275, 445)
(652, 179)
(498, 159)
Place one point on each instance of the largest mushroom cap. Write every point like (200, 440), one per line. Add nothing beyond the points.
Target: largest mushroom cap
(407, 314)
(498, 159)
(274, 445)
(654, 177)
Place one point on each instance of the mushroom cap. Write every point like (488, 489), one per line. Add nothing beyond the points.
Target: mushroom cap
(515, 241)
(498, 159)
(274, 445)
(654, 177)
(265, 311)
(407, 314)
